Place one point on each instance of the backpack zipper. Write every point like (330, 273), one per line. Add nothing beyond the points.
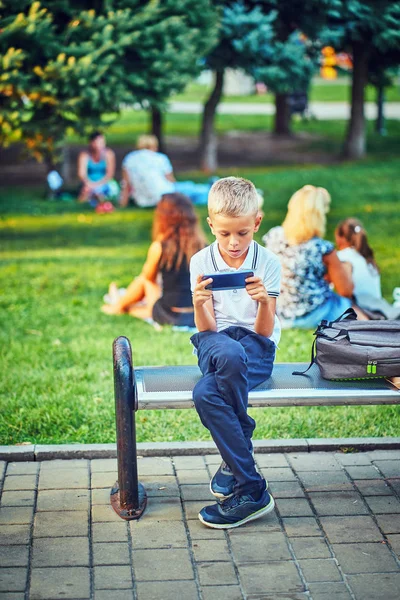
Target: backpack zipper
(372, 364)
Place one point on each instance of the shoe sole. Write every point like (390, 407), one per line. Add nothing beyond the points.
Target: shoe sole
(222, 497)
(252, 517)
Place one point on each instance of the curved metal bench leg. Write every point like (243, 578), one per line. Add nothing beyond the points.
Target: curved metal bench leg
(128, 496)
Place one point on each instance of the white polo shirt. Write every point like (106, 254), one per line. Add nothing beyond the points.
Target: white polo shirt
(236, 307)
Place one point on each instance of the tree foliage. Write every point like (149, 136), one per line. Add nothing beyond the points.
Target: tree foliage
(71, 64)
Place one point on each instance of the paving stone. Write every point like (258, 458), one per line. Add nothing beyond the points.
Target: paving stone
(12, 595)
(294, 507)
(390, 468)
(212, 460)
(63, 479)
(63, 464)
(14, 534)
(166, 590)
(62, 582)
(338, 503)
(104, 465)
(276, 577)
(116, 595)
(101, 496)
(195, 476)
(192, 509)
(211, 550)
(13, 579)
(18, 498)
(110, 532)
(22, 468)
(198, 531)
(325, 481)
(285, 489)
(161, 485)
(363, 472)
(389, 523)
(11, 515)
(267, 523)
(373, 586)
(216, 573)
(315, 461)
(113, 578)
(171, 564)
(365, 558)
(260, 546)
(394, 541)
(14, 556)
(353, 458)
(60, 500)
(163, 509)
(20, 482)
(328, 591)
(221, 592)
(155, 466)
(278, 474)
(61, 524)
(394, 484)
(60, 552)
(383, 504)
(301, 526)
(104, 513)
(196, 493)
(188, 462)
(271, 460)
(320, 569)
(103, 480)
(107, 553)
(310, 547)
(373, 487)
(158, 534)
(351, 529)
(384, 455)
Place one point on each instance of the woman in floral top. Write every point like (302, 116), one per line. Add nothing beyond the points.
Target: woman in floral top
(309, 263)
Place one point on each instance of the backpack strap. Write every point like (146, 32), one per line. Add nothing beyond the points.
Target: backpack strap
(311, 362)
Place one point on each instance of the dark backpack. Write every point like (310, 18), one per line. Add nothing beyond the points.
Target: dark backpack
(351, 349)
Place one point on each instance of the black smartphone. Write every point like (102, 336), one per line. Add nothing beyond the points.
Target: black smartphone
(228, 281)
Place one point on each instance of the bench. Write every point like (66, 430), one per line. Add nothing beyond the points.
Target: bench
(147, 388)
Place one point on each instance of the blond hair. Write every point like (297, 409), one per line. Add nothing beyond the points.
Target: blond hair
(306, 215)
(147, 142)
(233, 197)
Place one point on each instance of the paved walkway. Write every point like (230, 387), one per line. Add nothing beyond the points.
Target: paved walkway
(335, 533)
(320, 110)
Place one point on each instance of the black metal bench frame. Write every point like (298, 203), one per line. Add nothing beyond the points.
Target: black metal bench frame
(171, 387)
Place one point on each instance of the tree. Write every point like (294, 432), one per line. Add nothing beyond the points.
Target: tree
(65, 67)
(244, 36)
(362, 28)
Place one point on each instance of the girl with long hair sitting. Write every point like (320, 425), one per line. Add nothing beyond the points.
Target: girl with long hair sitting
(176, 237)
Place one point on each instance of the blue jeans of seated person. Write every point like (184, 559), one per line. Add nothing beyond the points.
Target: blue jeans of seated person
(232, 362)
(197, 192)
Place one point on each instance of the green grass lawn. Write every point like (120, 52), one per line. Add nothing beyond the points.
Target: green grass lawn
(57, 259)
(320, 91)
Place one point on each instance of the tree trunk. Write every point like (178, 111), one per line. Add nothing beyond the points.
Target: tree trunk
(208, 140)
(157, 127)
(380, 119)
(354, 146)
(282, 115)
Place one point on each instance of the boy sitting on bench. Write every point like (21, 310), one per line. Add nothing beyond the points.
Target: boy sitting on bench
(238, 334)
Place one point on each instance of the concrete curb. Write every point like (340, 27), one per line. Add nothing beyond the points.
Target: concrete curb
(38, 452)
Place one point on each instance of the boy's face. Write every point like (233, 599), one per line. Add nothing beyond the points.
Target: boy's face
(234, 235)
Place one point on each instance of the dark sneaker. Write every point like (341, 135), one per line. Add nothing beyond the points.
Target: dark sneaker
(223, 483)
(236, 511)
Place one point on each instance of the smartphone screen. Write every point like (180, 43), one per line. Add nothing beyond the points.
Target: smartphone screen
(228, 281)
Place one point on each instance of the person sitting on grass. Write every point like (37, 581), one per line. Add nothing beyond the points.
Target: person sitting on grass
(309, 263)
(147, 174)
(96, 170)
(238, 334)
(177, 235)
(358, 259)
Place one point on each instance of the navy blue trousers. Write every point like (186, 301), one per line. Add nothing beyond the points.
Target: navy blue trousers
(232, 362)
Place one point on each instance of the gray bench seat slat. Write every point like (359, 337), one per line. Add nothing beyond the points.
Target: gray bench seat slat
(171, 387)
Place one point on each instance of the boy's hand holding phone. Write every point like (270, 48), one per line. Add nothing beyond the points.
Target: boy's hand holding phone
(256, 289)
(200, 294)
